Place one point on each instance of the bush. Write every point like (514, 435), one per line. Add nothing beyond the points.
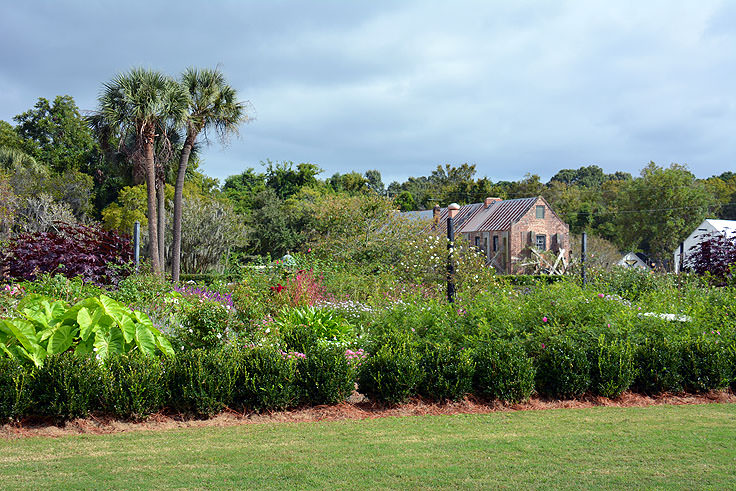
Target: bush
(267, 380)
(705, 364)
(503, 371)
(204, 324)
(563, 368)
(15, 390)
(613, 367)
(68, 386)
(136, 385)
(659, 362)
(203, 382)
(447, 371)
(325, 375)
(392, 372)
(96, 255)
(59, 286)
(302, 328)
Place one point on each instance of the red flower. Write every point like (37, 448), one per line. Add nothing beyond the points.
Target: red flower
(278, 288)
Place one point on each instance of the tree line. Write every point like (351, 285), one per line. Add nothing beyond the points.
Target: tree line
(136, 157)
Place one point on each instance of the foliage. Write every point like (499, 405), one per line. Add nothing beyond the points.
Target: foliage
(96, 255)
(715, 256)
(205, 323)
(15, 390)
(302, 328)
(447, 371)
(659, 365)
(136, 385)
(96, 325)
(41, 213)
(503, 371)
(202, 382)
(563, 368)
(392, 372)
(705, 364)
(325, 375)
(612, 367)
(269, 380)
(70, 290)
(68, 386)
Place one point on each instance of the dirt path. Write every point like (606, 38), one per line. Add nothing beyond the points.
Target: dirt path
(347, 410)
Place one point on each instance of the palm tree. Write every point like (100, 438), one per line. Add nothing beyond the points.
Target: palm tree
(212, 105)
(142, 102)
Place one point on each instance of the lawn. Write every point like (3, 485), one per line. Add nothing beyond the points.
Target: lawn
(691, 446)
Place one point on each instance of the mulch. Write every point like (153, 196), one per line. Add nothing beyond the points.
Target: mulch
(356, 408)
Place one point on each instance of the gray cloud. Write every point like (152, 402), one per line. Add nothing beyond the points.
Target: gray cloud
(403, 87)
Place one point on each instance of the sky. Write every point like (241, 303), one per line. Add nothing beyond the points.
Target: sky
(404, 86)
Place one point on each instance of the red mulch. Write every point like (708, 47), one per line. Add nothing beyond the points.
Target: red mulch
(360, 409)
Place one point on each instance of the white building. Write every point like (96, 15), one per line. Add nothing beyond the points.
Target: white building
(634, 260)
(705, 231)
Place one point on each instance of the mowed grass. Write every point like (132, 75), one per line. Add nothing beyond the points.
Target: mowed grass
(659, 446)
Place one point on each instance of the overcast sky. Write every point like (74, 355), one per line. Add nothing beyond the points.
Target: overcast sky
(513, 87)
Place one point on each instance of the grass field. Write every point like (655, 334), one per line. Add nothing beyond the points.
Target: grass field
(660, 446)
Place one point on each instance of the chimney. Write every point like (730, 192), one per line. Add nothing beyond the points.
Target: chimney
(489, 201)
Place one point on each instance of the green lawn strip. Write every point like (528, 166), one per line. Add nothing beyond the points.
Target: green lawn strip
(658, 446)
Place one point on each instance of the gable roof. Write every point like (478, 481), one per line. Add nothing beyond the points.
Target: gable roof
(726, 227)
(499, 216)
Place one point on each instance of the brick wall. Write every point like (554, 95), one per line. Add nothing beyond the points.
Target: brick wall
(549, 226)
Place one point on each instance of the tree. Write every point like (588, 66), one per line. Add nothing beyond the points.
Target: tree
(658, 210)
(374, 182)
(287, 181)
(57, 135)
(213, 105)
(242, 189)
(141, 103)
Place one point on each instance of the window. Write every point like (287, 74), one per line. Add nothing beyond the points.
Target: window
(495, 243)
(477, 241)
(485, 244)
(542, 242)
(540, 211)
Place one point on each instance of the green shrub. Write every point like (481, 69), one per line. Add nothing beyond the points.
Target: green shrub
(202, 382)
(392, 372)
(563, 368)
(136, 385)
(658, 361)
(503, 371)
(325, 376)
(204, 324)
(68, 386)
(447, 371)
(613, 367)
(301, 328)
(267, 380)
(705, 364)
(15, 390)
(60, 287)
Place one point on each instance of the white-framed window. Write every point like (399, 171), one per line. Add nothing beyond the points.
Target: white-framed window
(540, 211)
(542, 242)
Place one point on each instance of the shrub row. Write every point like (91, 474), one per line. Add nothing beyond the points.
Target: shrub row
(203, 382)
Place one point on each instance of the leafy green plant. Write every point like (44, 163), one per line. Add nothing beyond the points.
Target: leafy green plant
(613, 367)
(303, 327)
(68, 386)
(98, 325)
(503, 371)
(391, 373)
(15, 389)
(447, 371)
(705, 364)
(268, 380)
(202, 382)
(659, 366)
(325, 375)
(136, 385)
(563, 368)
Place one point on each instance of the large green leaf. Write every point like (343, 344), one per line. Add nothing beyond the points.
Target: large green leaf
(62, 339)
(84, 347)
(145, 340)
(23, 332)
(164, 345)
(108, 341)
(85, 323)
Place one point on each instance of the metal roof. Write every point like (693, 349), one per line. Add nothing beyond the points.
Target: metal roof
(464, 214)
(499, 216)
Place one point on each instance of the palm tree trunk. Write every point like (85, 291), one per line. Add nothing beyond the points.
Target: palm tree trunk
(161, 197)
(178, 193)
(151, 190)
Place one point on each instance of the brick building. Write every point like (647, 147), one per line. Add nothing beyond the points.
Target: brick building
(506, 229)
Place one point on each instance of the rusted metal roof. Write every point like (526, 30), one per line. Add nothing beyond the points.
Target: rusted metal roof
(464, 214)
(499, 216)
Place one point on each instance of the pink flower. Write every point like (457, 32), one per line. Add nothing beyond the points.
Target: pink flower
(543, 346)
(600, 295)
(544, 319)
(609, 325)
